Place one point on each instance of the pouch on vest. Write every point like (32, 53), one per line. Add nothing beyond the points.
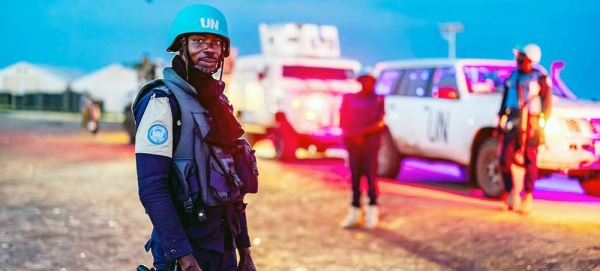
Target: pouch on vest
(223, 186)
(246, 166)
(215, 185)
(187, 175)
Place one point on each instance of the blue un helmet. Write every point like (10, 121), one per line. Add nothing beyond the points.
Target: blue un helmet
(198, 19)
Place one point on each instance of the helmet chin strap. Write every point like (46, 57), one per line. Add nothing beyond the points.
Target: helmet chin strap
(222, 70)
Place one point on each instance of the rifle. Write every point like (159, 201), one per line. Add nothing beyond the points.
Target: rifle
(524, 129)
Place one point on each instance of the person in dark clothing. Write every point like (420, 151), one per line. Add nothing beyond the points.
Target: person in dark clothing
(361, 119)
(525, 108)
(182, 123)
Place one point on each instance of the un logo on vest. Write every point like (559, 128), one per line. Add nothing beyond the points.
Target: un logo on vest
(157, 134)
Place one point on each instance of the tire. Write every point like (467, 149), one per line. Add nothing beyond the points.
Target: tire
(285, 144)
(389, 159)
(487, 169)
(591, 185)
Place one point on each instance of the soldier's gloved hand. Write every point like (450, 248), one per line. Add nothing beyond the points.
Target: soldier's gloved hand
(189, 263)
(246, 262)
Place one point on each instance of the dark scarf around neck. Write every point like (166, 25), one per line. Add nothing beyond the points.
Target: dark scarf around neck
(225, 129)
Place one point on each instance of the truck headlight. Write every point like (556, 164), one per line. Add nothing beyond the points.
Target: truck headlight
(552, 126)
(296, 103)
(311, 115)
(316, 103)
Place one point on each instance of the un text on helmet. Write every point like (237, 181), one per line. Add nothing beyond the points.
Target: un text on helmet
(209, 23)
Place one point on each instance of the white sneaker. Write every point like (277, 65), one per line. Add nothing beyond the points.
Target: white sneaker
(526, 205)
(513, 201)
(371, 217)
(352, 218)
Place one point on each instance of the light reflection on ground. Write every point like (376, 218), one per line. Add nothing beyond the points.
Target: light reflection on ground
(449, 176)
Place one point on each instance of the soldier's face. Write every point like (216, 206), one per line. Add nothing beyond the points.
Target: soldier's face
(524, 63)
(205, 50)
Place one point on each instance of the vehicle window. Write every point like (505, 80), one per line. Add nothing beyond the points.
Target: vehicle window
(487, 79)
(490, 79)
(387, 81)
(443, 77)
(415, 83)
(306, 72)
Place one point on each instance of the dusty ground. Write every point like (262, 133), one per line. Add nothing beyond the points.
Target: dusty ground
(68, 201)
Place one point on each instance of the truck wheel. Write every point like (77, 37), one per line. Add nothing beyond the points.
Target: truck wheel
(389, 159)
(487, 169)
(285, 145)
(591, 184)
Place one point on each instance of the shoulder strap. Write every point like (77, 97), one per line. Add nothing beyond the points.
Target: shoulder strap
(160, 86)
(154, 84)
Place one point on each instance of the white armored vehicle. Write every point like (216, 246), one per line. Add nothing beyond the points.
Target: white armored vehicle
(446, 110)
(292, 91)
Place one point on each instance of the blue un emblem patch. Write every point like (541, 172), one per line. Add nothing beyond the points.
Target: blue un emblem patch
(157, 134)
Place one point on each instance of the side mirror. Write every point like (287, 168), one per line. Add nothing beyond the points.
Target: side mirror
(448, 93)
(557, 82)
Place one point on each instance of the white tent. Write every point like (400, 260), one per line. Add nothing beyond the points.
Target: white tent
(24, 77)
(111, 84)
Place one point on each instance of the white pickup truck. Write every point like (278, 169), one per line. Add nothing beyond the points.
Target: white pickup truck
(292, 91)
(446, 110)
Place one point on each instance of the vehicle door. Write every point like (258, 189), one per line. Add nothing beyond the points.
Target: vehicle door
(406, 92)
(442, 113)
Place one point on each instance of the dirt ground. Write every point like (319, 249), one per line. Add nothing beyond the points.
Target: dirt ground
(68, 201)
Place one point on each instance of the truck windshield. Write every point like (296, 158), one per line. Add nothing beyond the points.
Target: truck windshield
(483, 79)
(306, 72)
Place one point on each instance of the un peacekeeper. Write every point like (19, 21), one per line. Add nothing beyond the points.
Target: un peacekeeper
(526, 102)
(181, 116)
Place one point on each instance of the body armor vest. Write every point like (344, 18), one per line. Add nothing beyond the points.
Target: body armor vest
(192, 156)
(529, 83)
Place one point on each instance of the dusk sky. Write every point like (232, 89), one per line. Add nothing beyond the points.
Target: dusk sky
(88, 35)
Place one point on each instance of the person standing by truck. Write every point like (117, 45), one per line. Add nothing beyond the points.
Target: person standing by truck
(525, 108)
(361, 119)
